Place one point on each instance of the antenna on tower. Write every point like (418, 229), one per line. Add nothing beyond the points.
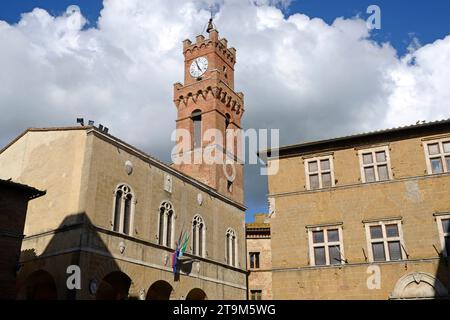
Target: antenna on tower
(211, 26)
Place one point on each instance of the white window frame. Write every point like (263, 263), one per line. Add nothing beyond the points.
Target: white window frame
(319, 171)
(441, 232)
(196, 244)
(120, 187)
(385, 239)
(441, 155)
(229, 236)
(375, 164)
(326, 244)
(166, 204)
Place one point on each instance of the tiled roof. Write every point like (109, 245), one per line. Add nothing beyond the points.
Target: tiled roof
(154, 160)
(30, 191)
(418, 125)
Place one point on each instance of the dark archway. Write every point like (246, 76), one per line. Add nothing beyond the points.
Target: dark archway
(196, 294)
(40, 285)
(160, 290)
(114, 286)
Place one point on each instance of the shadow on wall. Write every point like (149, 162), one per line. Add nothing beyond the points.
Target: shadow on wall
(442, 283)
(43, 277)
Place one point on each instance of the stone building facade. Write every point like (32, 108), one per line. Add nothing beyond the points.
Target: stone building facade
(14, 198)
(259, 258)
(117, 213)
(364, 216)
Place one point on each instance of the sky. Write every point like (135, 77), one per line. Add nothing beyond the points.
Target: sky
(310, 68)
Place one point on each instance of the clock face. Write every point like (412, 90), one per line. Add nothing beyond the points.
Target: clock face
(198, 67)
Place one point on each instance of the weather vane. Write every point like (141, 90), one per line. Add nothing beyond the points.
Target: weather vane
(210, 23)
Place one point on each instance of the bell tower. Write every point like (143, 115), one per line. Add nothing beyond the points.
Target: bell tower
(209, 116)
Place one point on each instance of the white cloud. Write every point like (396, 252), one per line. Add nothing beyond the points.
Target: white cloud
(304, 76)
(421, 89)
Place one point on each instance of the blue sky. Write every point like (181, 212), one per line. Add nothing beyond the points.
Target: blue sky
(426, 20)
(10, 11)
(401, 19)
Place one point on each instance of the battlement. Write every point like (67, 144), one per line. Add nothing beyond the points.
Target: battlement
(213, 40)
(203, 92)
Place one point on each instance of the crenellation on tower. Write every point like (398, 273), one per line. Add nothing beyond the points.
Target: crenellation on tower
(224, 42)
(214, 35)
(234, 103)
(213, 41)
(186, 44)
(199, 39)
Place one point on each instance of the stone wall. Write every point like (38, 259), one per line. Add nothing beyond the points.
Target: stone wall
(412, 196)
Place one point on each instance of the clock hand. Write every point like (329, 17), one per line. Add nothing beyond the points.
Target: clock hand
(199, 69)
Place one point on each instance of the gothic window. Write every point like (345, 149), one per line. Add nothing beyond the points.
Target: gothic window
(198, 236)
(227, 125)
(197, 125)
(123, 212)
(127, 214)
(166, 224)
(117, 209)
(231, 247)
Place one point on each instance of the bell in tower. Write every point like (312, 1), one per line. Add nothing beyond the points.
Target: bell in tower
(209, 115)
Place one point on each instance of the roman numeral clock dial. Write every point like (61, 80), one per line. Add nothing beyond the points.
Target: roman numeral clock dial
(198, 67)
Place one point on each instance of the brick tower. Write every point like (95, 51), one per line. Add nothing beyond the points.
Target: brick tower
(206, 101)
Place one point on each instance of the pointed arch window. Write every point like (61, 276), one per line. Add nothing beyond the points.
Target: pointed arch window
(198, 236)
(227, 125)
(166, 224)
(231, 247)
(123, 211)
(196, 117)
